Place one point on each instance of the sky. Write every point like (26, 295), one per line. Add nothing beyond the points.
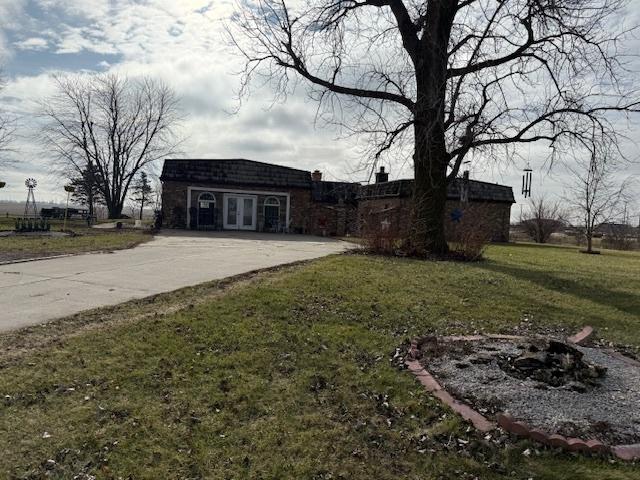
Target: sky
(184, 44)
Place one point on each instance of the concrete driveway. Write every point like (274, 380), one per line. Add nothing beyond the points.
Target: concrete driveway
(38, 291)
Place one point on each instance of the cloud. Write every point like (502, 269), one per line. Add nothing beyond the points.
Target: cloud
(182, 43)
(33, 43)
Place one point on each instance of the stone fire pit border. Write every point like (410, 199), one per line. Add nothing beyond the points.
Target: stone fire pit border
(504, 420)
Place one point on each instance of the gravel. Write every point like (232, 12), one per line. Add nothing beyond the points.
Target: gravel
(609, 411)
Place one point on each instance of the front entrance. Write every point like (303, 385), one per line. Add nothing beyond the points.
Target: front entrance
(206, 211)
(240, 212)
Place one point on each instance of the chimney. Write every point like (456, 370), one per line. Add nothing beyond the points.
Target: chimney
(464, 187)
(316, 176)
(382, 176)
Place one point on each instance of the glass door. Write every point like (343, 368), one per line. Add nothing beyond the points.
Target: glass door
(240, 212)
(248, 213)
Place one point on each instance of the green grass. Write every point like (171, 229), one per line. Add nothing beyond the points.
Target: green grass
(290, 376)
(87, 240)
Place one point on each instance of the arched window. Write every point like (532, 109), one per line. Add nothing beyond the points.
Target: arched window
(207, 197)
(272, 214)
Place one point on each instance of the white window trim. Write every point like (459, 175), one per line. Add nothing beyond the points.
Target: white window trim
(272, 204)
(254, 211)
(238, 192)
(211, 200)
(265, 205)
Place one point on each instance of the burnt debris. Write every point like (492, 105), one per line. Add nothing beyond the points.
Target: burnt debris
(556, 364)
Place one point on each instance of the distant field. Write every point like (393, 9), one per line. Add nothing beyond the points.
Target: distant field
(17, 208)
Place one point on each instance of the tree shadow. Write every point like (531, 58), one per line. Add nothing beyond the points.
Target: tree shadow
(623, 301)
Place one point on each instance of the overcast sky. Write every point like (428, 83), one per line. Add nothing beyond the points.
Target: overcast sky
(183, 42)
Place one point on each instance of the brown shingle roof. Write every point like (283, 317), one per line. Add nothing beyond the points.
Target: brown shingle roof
(478, 191)
(334, 192)
(234, 172)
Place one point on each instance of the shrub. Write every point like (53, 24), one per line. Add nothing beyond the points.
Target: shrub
(470, 235)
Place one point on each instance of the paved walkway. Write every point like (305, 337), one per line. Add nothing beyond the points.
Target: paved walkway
(39, 291)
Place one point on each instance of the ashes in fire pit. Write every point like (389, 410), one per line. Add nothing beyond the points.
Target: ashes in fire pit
(573, 391)
(555, 364)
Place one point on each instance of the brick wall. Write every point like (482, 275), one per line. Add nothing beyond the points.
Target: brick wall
(396, 213)
(333, 220)
(174, 204)
(316, 218)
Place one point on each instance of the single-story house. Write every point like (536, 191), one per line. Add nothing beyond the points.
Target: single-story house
(239, 194)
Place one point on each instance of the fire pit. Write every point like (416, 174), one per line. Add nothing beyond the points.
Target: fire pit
(552, 386)
(555, 363)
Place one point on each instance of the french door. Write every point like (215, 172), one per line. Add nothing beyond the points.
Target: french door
(240, 212)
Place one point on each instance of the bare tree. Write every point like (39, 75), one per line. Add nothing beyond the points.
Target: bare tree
(444, 78)
(542, 219)
(112, 126)
(595, 193)
(7, 131)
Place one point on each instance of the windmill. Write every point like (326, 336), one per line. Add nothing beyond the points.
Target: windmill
(30, 208)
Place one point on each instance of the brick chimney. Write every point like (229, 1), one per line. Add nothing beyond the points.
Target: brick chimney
(464, 187)
(316, 176)
(382, 176)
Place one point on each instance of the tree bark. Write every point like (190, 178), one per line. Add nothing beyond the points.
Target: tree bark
(431, 158)
(115, 210)
(430, 193)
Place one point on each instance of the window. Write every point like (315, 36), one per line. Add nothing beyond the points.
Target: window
(206, 200)
(272, 214)
(271, 202)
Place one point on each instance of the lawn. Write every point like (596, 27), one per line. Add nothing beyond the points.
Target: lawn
(85, 240)
(289, 374)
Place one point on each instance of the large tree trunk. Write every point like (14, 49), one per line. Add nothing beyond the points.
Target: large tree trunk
(430, 192)
(431, 158)
(115, 210)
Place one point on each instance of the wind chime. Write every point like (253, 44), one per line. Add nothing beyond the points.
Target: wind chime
(526, 182)
(30, 208)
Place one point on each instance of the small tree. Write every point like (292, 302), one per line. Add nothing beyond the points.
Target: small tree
(87, 191)
(142, 191)
(542, 219)
(595, 193)
(113, 126)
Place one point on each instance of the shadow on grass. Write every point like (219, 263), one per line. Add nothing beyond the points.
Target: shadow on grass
(623, 301)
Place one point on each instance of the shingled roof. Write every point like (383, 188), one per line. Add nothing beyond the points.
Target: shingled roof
(478, 191)
(334, 192)
(237, 171)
